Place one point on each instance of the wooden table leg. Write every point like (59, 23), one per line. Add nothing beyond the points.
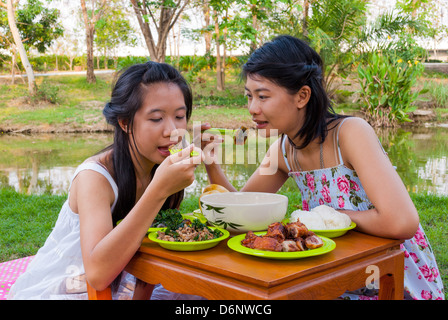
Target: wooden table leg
(391, 285)
(94, 294)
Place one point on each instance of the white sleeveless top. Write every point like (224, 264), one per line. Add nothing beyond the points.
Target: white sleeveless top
(57, 270)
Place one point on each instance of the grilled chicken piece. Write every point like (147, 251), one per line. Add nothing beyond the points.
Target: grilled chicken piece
(312, 241)
(267, 243)
(296, 230)
(277, 230)
(248, 241)
(300, 242)
(290, 246)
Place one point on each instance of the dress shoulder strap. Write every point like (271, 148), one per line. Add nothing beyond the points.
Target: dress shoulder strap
(337, 141)
(284, 151)
(95, 166)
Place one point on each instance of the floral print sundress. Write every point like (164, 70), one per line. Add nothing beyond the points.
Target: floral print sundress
(339, 187)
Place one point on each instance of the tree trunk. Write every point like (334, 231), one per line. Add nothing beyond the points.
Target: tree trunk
(207, 34)
(166, 21)
(306, 6)
(89, 42)
(90, 31)
(144, 27)
(90, 64)
(253, 43)
(20, 48)
(105, 59)
(224, 55)
(219, 83)
(13, 66)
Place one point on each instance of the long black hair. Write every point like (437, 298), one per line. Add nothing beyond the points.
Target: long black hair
(127, 97)
(291, 63)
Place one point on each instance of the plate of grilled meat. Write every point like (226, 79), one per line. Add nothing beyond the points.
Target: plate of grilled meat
(282, 241)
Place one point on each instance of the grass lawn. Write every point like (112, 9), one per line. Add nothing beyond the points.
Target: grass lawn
(27, 220)
(77, 105)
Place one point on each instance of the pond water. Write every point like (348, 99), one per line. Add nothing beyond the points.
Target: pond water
(45, 162)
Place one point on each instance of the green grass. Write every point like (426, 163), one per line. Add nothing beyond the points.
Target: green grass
(76, 100)
(438, 93)
(27, 220)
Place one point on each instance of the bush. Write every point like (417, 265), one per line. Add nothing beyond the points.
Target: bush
(46, 92)
(386, 93)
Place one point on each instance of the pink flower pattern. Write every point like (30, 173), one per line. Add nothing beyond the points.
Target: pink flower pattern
(341, 202)
(310, 182)
(343, 184)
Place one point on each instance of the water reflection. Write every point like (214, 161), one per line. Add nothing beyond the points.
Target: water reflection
(45, 163)
(420, 156)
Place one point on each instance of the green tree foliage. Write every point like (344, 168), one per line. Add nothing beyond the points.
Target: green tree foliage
(113, 29)
(38, 26)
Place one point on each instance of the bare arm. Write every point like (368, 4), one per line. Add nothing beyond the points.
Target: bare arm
(107, 250)
(394, 215)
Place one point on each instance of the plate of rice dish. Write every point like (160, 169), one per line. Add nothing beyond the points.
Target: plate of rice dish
(324, 220)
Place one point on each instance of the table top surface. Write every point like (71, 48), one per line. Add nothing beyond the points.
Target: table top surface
(223, 261)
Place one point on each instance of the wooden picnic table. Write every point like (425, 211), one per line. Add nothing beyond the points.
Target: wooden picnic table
(222, 273)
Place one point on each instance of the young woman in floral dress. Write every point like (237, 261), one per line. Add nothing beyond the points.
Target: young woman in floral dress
(335, 160)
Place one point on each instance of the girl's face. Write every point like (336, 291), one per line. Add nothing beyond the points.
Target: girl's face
(162, 114)
(273, 107)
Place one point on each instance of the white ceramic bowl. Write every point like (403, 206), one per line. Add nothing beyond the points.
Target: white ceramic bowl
(244, 211)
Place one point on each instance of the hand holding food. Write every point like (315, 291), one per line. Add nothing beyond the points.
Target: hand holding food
(176, 172)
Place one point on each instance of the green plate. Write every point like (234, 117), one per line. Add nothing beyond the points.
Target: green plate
(189, 246)
(333, 233)
(235, 244)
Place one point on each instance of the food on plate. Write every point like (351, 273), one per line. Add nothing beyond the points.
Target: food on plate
(169, 217)
(293, 236)
(322, 218)
(187, 231)
(265, 243)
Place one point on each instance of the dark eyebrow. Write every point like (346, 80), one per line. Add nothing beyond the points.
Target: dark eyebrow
(163, 111)
(258, 90)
